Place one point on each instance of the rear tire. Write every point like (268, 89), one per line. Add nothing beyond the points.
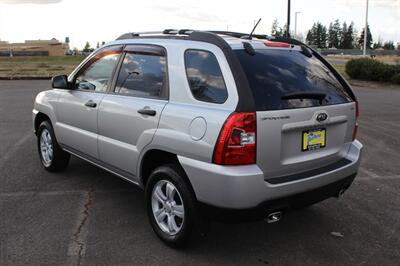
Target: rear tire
(52, 157)
(169, 198)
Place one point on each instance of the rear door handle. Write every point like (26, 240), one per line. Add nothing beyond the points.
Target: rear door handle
(146, 111)
(91, 104)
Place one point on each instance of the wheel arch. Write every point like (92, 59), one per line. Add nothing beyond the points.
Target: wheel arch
(39, 118)
(154, 158)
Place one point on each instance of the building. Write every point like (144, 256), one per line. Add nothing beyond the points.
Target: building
(51, 47)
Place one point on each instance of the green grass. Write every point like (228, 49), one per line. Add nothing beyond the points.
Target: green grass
(38, 66)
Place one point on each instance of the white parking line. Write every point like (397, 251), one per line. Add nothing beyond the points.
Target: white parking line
(58, 193)
(387, 177)
(368, 173)
(15, 148)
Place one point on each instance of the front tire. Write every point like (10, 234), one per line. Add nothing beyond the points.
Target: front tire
(170, 205)
(52, 157)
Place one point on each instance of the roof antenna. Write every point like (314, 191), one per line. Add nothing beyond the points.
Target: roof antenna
(255, 26)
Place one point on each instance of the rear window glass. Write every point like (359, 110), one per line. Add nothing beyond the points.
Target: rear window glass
(205, 76)
(276, 73)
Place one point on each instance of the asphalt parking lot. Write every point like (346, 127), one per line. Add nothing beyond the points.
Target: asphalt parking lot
(87, 216)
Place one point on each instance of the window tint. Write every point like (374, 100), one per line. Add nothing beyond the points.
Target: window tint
(274, 73)
(97, 75)
(142, 75)
(205, 76)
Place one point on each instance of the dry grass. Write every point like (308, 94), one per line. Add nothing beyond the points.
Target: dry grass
(38, 66)
(342, 70)
(45, 66)
(389, 59)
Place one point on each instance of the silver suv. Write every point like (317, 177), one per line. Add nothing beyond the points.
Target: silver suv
(210, 124)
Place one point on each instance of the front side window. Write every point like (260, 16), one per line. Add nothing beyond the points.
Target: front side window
(97, 74)
(205, 76)
(142, 75)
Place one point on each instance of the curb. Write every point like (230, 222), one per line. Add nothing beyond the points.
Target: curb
(373, 84)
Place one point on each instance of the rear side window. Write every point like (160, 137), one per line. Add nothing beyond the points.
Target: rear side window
(142, 75)
(274, 74)
(205, 76)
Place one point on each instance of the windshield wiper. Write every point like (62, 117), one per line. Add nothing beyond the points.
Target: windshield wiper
(320, 96)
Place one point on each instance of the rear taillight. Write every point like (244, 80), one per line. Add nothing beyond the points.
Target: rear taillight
(356, 123)
(236, 143)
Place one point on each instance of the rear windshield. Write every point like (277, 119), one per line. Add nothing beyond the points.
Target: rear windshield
(274, 74)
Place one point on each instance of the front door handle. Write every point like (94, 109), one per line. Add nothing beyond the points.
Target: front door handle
(146, 111)
(91, 104)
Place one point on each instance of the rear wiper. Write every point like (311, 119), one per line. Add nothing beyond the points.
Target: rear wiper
(320, 96)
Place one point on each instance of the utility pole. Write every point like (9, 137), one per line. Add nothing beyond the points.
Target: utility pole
(288, 21)
(295, 23)
(366, 30)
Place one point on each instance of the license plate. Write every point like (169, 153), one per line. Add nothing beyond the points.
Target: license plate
(313, 139)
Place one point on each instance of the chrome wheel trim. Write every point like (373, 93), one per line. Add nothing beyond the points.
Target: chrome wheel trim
(167, 206)
(46, 147)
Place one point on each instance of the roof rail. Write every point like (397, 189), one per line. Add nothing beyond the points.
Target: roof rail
(131, 35)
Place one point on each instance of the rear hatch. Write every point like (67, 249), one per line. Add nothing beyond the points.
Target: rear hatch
(305, 117)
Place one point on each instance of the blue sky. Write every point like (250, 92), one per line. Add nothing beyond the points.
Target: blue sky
(91, 20)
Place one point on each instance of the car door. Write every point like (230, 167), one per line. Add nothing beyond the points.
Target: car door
(77, 109)
(128, 117)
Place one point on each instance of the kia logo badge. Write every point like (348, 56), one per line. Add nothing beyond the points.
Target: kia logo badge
(322, 117)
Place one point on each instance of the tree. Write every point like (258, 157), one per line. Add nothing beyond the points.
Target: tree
(378, 44)
(323, 36)
(284, 30)
(87, 47)
(97, 45)
(102, 43)
(369, 38)
(76, 51)
(389, 45)
(276, 31)
(347, 36)
(317, 36)
(334, 34)
(355, 38)
(311, 35)
(346, 40)
(331, 35)
(342, 36)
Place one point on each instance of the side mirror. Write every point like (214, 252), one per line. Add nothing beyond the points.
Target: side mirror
(60, 82)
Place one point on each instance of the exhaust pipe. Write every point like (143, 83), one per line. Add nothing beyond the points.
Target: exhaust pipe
(341, 192)
(274, 217)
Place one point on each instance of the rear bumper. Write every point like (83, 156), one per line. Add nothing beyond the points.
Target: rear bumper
(244, 187)
(283, 204)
